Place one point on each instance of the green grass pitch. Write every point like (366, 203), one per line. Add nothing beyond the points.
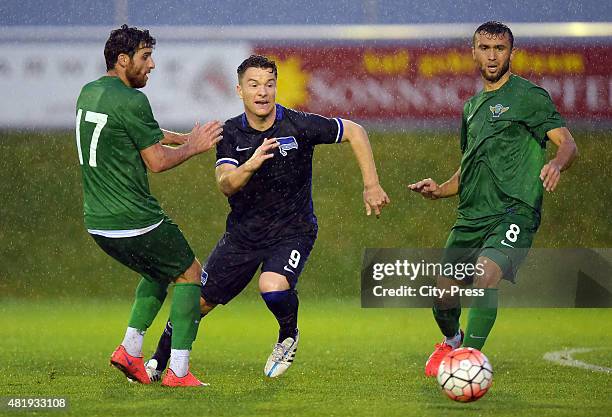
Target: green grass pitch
(42, 218)
(370, 364)
(64, 304)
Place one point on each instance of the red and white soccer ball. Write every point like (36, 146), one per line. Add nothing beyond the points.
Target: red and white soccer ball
(465, 374)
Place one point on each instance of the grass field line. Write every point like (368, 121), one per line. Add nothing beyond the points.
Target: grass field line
(564, 357)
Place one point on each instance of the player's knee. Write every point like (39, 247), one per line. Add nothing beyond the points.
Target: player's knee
(193, 274)
(490, 276)
(205, 306)
(269, 286)
(269, 281)
(487, 281)
(446, 298)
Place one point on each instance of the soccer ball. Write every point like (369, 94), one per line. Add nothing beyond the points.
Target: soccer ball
(465, 375)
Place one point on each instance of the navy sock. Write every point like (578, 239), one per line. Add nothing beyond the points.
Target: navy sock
(284, 306)
(162, 353)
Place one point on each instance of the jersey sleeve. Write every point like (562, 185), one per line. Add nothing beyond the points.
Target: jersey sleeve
(463, 138)
(319, 130)
(226, 152)
(139, 122)
(542, 114)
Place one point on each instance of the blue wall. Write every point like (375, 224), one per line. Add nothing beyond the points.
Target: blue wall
(260, 12)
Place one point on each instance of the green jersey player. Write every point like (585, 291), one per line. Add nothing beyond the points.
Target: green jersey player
(500, 184)
(117, 140)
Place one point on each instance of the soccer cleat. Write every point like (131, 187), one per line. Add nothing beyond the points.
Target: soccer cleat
(131, 366)
(152, 371)
(281, 357)
(441, 350)
(171, 380)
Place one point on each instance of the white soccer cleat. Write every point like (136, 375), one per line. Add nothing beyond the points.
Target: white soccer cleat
(281, 357)
(151, 368)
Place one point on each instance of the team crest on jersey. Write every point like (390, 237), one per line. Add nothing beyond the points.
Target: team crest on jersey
(498, 109)
(286, 143)
(204, 277)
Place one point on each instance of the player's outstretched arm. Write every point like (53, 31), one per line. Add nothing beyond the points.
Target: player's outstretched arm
(430, 189)
(566, 153)
(159, 158)
(174, 138)
(374, 197)
(231, 179)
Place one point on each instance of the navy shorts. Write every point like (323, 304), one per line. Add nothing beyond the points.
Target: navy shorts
(231, 266)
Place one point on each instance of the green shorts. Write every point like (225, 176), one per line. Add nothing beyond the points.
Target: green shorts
(505, 239)
(160, 255)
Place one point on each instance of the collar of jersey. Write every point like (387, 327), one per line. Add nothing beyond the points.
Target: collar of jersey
(502, 88)
(279, 116)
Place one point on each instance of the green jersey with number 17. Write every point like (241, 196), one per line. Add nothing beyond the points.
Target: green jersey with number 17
(113, 124)
(503, 141)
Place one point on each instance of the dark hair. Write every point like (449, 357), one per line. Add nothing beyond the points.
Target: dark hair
(125, 40)
(257, 61)
(494, 28)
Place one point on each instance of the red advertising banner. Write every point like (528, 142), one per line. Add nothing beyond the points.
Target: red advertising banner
(411, 82)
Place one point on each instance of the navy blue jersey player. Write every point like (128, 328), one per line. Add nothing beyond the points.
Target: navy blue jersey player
(264, 167)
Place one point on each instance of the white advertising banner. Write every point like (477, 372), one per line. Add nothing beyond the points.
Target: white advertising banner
(192, 81)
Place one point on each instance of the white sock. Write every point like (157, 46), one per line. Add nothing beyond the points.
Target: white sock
(179, 362)
(132, 342)
(454, 341)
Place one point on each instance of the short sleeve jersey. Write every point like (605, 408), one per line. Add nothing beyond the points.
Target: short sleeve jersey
(503, 142)
(277, 200)
(113, 124)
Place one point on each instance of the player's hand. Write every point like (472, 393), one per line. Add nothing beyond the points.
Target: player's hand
(550, 175)
(261, 154)
(428, 188)
(375, 198)
(204, 137)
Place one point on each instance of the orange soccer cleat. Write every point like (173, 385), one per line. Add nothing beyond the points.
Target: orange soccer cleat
(171, 380)
(131, 366)
(441, 350)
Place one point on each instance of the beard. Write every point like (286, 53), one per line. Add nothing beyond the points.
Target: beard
(495, 77)
(135, 79)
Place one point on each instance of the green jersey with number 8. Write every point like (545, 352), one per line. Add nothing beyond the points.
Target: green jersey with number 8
(113, 124)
